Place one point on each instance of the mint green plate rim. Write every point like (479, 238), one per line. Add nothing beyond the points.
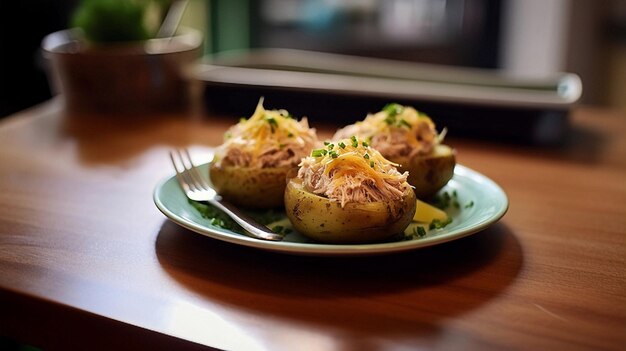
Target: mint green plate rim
(489, 204)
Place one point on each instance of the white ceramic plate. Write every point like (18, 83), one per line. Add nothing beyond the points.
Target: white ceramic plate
(482, 203)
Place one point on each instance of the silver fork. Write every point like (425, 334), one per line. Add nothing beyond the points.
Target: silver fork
(197, 188)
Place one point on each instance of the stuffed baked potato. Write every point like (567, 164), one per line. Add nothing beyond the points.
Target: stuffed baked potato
(348, 193)
(251, 166)
(409, 138)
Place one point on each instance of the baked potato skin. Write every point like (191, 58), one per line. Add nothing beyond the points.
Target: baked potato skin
(254, 188)
(326, 221)
(429, 173)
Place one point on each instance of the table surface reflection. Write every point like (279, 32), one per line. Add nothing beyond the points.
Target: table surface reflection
(86, 259)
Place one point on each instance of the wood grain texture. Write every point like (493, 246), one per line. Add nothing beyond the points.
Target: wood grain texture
(87, 259)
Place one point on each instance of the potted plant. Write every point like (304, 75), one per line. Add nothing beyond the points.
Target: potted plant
(114, 58)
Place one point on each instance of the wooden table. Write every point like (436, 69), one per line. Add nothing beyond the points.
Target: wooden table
(88, 262)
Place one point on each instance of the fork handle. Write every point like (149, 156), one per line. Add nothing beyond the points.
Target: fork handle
(249, 224)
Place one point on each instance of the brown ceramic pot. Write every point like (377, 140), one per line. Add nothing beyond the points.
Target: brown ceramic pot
(123, 77)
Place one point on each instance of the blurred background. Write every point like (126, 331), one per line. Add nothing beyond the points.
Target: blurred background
(525, 37)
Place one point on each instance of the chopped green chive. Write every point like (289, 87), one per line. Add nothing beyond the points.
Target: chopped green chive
(333, 154)
(331, 146)
(318, 152)
(366, 156)
(393, 109)
(342, 145)
(470, 204)
(405, 123)
(372, 164)
(365, 144)
(272, 122)
(438, 224)
(326, 143)
(355, 142)
(214, 216)
(218, 222)
(420, 231)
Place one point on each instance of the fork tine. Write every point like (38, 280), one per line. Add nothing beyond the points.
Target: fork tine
(196, 188)
(200, 180)
(179, 174)
(187, 174)
(172, 158)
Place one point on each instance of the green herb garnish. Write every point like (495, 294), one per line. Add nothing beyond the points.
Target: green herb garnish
(439, 224)
(318, 152)
(469, 204)
(342, 145)
(272, 122)
(393, 109)
(219, 219)
(420, 231)
(216, 217)
(390, 120)
(366, 156)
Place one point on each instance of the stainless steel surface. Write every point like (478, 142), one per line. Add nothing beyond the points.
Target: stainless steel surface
(344, 74)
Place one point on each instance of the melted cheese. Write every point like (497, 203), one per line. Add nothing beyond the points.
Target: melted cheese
(267, 132)
(273, 126)
(351, 166)
(392, 131)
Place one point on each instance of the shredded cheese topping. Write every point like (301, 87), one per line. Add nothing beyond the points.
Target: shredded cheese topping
(396, 130)
(349, 170)
(267, 139)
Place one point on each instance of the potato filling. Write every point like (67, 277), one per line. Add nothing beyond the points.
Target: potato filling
(349, 170)
(267, 139)
(396, 131)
